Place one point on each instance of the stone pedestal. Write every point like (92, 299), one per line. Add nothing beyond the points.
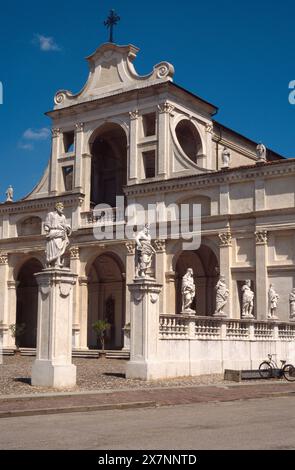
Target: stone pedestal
(144, 328)
(53, 366)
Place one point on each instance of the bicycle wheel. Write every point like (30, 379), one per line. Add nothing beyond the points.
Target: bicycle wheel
(265, 370)
(289, 372)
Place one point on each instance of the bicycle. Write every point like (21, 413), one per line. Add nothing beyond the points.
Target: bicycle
(266, 369)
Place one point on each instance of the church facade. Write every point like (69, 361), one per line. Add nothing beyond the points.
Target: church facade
(150, 141)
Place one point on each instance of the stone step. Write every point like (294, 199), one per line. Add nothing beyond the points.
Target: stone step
(8, 352)
(118, 355)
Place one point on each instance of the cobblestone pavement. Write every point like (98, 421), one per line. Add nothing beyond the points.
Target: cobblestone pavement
(92, 374)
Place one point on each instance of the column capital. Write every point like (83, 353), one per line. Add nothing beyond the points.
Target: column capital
(225, 238)
(79, 126)
(134, 114)
(165, 108)
(3, 258)
(261, 237)
(170, 276)
(55, 132)
(160, 246)
(74, 252)
(130, 247)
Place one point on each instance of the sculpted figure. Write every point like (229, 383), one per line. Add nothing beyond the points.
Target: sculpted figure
(145, 251)
(273, 299)
(247, 300)
(292, 305)
(188, 291)
(222, 294)
(225, 158)
(9, 194)
(261, 152)
(57, 235)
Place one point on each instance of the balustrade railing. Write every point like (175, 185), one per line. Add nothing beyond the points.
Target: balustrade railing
(208, 328)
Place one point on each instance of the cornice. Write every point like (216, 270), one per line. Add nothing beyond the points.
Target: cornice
(232, 175)
(40, 204)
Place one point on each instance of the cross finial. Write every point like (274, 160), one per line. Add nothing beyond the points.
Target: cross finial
(111, 21)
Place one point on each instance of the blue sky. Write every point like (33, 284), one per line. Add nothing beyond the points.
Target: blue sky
(237, 55)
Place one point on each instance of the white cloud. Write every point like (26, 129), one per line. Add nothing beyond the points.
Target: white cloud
(36, 134)
(46, 43)
(26, 146)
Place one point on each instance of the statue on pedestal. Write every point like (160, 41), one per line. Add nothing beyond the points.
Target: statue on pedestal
(292, 305)
(247, 300)
(57, 237)
(188, 291)
(226, 158)
(261, 152)
(144, 251)
(9, 194)
(222, 294)
(273, 299)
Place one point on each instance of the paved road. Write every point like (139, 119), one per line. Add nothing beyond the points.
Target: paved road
(253, 424)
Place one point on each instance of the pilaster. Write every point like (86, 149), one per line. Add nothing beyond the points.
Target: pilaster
(225, 258)
(133, 152)
(53, 177)
(78, 156)
(164, 112)
(261, 238)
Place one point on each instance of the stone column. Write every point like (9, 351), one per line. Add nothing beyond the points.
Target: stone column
(4, 312)
(53, 182)
(130, 275)
(78, 156)
(12, 302)
(86, 180)
(83, 312)
(144, 329)
(164, 112)
(133, 160)
(75, 268)
(209, 162)
(261, 300)
(170, 292)
(53, 366)
(160, 247)
(225, 257)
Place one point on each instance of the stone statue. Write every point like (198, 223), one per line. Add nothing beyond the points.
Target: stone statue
(145, 252)
(9, 194)
(247, 300)
(261, 152)
(226, 158)
(222, 294)
(273, 299)
(292, 305)
(57, 235)
(188, 291)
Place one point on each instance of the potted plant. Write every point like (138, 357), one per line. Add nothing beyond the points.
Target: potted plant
(101, 327)
(16, 332)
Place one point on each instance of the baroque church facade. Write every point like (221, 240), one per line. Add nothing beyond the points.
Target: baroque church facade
(152, 142)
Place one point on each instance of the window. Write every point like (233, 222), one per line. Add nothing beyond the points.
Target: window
(69, 141)
(149, 164)
(149, 124)
(68, 177)
(189, 139)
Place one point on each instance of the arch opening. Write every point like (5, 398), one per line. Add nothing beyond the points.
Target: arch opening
(106, 300)
(206, 270)
(109, 164)
(27, 302)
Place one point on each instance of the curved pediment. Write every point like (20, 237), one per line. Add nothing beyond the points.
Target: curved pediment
(112, 71)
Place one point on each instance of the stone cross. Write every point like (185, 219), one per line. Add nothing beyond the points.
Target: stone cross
(110, 22)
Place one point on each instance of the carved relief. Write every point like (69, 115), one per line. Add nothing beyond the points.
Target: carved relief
(79, 127)
(166, 108)
(209, 128)
(261, 237)
(55, 132)
(160, 246)
(130, 246)
(3, 258)
(225, 238)
(74, 252)
(134, 114)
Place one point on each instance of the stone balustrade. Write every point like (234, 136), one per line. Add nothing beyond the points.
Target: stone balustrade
(208, 328)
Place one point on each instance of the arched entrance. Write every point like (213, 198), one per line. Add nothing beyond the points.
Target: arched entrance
(27, 302)
(106, 300)
(205, 266)
(109, 164)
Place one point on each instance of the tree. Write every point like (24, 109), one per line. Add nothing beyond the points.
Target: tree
(101, 327)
